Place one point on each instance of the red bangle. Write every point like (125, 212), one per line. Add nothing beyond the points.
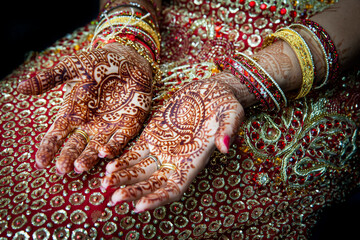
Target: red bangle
(332, 57)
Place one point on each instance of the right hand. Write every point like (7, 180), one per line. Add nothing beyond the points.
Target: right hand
(109, 100)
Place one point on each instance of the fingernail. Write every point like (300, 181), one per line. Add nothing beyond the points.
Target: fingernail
(59, 173)
(77, 171)
(227, 142)
(102, 155)
(139, 211)
(103, 188)
(111, 203)
(107, 173)
(37, 166)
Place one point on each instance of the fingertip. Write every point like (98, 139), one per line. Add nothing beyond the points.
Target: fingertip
(223, 143)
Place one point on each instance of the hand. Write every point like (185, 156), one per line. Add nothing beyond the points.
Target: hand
(181, 135)
(109, 100)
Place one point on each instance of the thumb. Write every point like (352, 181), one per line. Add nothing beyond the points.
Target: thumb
(231, 116)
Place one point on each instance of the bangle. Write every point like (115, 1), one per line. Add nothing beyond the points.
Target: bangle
(240, 69)
(303, 54)
(332, 57)
(268, 81)
(142, 51)
(130, 21)
(316, 38)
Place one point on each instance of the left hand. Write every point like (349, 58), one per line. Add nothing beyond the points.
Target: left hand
(182, 135)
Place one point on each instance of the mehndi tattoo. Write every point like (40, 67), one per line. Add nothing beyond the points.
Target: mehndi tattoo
(183, 133)
(109, 102)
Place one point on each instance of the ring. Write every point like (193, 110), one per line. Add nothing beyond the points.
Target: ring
(157, 161)
(168, 165)
(83, 133)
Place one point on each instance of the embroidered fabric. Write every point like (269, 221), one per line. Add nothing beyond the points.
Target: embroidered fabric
(282, 168)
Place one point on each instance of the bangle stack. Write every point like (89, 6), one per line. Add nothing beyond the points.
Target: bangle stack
(303, 54)
(136, 28)
(263, 86)
(328, 48)
(258, 81)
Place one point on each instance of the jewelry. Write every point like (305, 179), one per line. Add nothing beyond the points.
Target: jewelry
(82, 133)
(316, 38)
(156, 160)
(243, 72)
(331, 55)
(265, 77)
(169, 166)
(298, 44)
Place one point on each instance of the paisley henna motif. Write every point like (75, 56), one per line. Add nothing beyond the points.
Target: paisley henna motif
(109, 100)
(184, 133)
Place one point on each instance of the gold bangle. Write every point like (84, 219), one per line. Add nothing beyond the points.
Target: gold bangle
(130, 22)
(318, 42)
(302, 51)
(169, 166)
(82, 133)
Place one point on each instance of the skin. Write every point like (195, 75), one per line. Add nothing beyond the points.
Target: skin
(109, 100)
(150, 187)
(172, 136)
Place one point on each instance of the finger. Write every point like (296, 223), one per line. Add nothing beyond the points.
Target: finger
(88, 158)
(71, 150)
(140, 189)
(170, 193)
(139, 151)
(52, 141)
(116, 143)
(230, 118)
(139, 172)
(48, 79)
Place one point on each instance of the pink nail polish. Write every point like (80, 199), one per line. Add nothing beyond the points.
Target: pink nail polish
(227, 142)
(102, 155)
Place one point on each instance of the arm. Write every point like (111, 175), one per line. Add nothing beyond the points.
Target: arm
(280, 61)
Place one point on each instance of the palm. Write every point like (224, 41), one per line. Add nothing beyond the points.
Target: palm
(183, 133)
(109, 99)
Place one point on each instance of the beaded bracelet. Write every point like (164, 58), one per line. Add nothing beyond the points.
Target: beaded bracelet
(303, 54)
(251, 81)
(265, 77)
(332, 57)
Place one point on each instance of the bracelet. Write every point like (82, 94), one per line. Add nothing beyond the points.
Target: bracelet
(136, 6)
(332, 57)
(138, 35)
(136, 15)
(268, 81)
(251, 81)
(130, 21)
(316, 38)
(140, 49)
(303, 54)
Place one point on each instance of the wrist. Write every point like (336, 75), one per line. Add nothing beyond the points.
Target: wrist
(240, 91)
(280, 62)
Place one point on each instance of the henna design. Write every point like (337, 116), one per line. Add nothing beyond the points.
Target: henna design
(109, 101)
(280, 61)
(183, 133)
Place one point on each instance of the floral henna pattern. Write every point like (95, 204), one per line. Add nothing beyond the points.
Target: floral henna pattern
(109, 100)
(184, 132)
